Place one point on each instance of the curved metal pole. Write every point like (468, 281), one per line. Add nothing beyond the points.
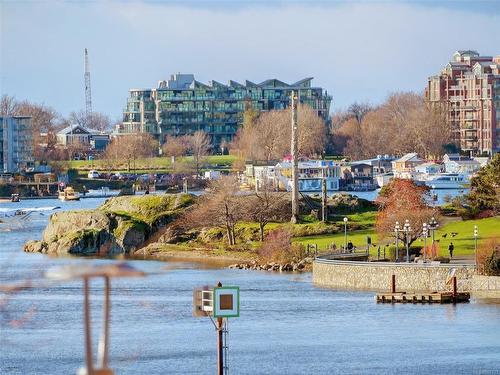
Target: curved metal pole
(88, 335)
(103, 347)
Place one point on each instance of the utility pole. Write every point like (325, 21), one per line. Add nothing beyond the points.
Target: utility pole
(220, 346)
(88, 94)
(323, 198)
(295, 161)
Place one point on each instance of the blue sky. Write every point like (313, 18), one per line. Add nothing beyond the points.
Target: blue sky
(358, 51)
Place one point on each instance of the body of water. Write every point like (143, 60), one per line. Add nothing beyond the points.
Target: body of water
(440, 193)
(287, 325)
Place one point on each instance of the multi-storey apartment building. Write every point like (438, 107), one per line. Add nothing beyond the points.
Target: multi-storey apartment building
(16, 144)
(468, 88)
(182, 105)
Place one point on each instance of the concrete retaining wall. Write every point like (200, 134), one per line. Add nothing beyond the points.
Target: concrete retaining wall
(377, 276)
(486, 286)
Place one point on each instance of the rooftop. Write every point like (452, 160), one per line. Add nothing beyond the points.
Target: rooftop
(408, 157)
(187, 81)
(72, 128)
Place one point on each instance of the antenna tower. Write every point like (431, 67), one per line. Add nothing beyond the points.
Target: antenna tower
(88, 94)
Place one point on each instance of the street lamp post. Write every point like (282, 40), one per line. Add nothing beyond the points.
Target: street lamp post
(475, 245)
(345, 233)
(433, 224)
(396, 231)
(424, 234)
(407, 230)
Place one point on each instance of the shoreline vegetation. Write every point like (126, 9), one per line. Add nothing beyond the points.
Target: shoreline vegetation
(151, 228)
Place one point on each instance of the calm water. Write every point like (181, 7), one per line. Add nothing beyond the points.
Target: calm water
(441, 194)
(287, 326)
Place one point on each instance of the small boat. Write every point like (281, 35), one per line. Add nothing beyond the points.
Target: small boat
(69, 194)
(12, 218)
(447, 181)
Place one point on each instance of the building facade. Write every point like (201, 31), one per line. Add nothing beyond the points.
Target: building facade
(468, 88)
(183, 105)
(77, 134)
(16, 144)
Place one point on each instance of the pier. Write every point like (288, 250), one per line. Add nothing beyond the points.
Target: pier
(435, 297)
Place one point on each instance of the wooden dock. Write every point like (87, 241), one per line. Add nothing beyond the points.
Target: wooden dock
(433, 297)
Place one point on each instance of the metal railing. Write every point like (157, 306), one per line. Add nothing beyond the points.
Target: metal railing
(324, 260)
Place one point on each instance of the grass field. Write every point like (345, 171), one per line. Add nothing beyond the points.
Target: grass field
(463, 241)
(151, 164)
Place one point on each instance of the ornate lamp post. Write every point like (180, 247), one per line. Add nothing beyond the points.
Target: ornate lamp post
(407, 230)
(424, 234)
(345, 233)
(397, 229)
(433, 224)
(475, 245)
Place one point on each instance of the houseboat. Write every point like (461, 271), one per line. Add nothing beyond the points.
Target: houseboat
(446, 181)
(69, 194)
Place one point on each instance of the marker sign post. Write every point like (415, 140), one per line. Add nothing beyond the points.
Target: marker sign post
(221, 303)
(226, 302)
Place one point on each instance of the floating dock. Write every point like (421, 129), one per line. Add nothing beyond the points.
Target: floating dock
(434, 297)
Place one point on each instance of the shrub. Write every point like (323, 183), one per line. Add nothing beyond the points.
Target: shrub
(488, 258)
(278, 247)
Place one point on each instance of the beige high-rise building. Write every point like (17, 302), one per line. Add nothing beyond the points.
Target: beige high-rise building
(469, 89)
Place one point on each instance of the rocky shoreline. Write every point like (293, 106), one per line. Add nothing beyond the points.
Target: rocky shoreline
(120, 226)
(304, 265)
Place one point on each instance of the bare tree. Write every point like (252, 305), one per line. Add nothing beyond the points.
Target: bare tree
(268, 137)
(199, 145)
(265, 206)
(128, 148)
(8, 105)
(175, 146)
(358, 111)
(96, 120)
(43, 120)
(220, 206)
(404, 123)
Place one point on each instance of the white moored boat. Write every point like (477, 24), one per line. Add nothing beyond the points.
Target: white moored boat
(447, 181)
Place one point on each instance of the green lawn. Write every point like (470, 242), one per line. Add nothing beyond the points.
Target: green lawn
(152, 164)
(463, 241)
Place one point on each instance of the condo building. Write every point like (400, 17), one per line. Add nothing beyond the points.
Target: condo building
(183, 105)
(16, 144)
(468, 88)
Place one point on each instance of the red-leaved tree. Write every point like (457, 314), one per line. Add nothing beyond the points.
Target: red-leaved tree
(399, 201)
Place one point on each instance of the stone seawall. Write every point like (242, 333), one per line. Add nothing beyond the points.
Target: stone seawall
(377, 276)
(486, 286)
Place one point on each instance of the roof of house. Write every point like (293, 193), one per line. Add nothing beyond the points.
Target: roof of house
(307, 164)
(72, 128)
(408, 157)
(464, 161)
(428, 164)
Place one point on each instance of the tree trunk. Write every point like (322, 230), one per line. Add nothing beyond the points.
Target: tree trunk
(261, 227)
(232, 234)
(229, 235)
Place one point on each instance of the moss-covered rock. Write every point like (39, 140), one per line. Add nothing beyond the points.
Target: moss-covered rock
(120, 225)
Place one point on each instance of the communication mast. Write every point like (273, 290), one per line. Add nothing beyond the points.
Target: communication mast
(295, 160)
(88, 94)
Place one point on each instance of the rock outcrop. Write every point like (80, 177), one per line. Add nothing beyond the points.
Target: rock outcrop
(294, 266)
(119, 226)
